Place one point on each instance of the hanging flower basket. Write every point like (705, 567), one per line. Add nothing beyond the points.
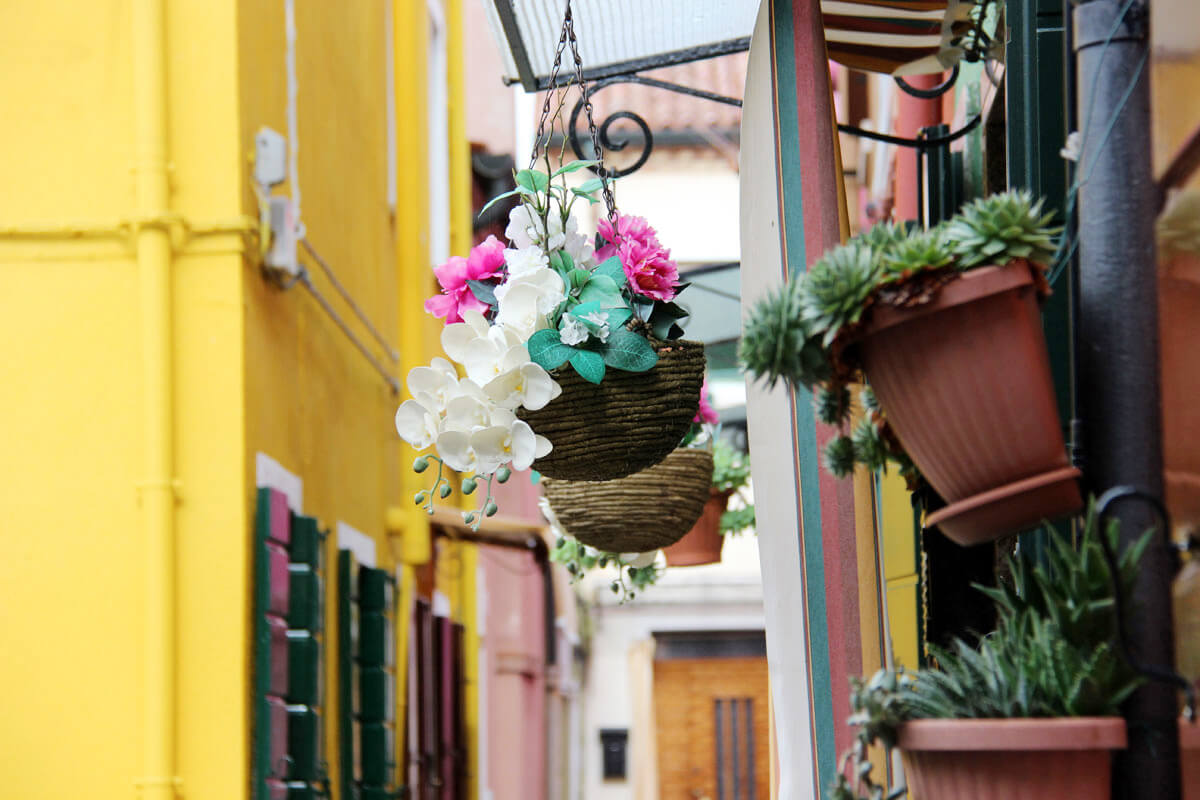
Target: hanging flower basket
(639, 513)
(623, 425)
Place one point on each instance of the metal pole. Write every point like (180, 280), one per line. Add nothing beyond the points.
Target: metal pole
(1118, 354)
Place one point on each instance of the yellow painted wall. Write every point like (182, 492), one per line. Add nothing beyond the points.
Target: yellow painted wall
(256, 368)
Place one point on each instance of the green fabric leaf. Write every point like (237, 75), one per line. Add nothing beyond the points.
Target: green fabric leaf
(601, 289)
(611, 268)
(578, 277)
(547, 350)
(626, 350)
(497, 199)
(484, 291)
(533, 180)
(617, 317)
(574, 166)
(590, 185)
(588, 363)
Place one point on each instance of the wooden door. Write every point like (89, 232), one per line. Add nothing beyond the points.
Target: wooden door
(712, 728)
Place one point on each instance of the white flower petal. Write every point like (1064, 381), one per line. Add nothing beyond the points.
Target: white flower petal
(457, 340)
(415, 424)
(491, 446)
(466, 413)
(428, 380)
(455, 449)
(639, 559)
(538, 387)
(522, 445)
(542, 446)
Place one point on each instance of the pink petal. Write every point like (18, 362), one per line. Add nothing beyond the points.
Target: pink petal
(453, 274)
(442, 305)
(486, 259)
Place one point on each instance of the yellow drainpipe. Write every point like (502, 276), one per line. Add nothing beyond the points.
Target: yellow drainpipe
(159, 780)
(461, 238)
(408, 526)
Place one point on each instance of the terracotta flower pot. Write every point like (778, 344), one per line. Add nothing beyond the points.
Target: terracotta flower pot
(1189, 759)
(703, 543)
(965, 383)
(1179, 335)
(1011, 759)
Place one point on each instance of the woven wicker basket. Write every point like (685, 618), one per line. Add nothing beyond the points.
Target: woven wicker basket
(641, 512)
(626, 423)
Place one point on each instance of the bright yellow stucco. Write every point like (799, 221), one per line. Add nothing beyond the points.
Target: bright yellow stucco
(243, 366)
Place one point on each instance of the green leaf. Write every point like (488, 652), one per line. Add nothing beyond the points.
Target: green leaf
(547, 350)
(603, 290)
(585, 196)
(585, 308)
(626, 350)
(578, 277)
(484, 291)
(497, 199)
(588, 363)
(533, 179)
(611, 268)
(617, 317)
(574, 166)
(590, 185)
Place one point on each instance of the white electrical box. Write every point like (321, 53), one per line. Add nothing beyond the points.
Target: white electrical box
(282, 254)
(270, 157)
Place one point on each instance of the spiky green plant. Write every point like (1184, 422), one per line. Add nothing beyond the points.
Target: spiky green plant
(1050, 655)
(1001, 227)
(838, 456)
(883, 236)
(832, 403)
(777, 342)
(919, 252)
(869, 448)
(836, 288)
(870, 402)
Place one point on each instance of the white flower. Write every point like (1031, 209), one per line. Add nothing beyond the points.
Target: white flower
(416, 424)
(525, 260)
(572, 331)
(600, 322)
(524, 301)
(454, 447)
(500, 444)
(551, 518)
(578, 246)
(528, 385)
(485, 350)
(525, 228)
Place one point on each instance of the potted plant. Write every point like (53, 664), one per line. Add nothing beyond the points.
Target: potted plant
(1179, 331)
(943, 325)
(1031, 710)
(629, 573)
(704, 542)
(570, 348)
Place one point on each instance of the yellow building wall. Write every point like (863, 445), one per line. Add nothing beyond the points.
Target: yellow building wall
(72, 553)
(255, 368)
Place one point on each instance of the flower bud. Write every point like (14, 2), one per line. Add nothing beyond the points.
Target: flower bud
(444, 492)
(490, 509)
(503, 474)
(468, 485)
(419, 498)
(421, 464)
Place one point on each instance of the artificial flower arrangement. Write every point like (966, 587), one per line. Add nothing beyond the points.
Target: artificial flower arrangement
(520, 313)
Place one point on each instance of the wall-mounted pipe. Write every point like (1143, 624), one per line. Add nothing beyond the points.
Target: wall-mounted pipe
(157, 489)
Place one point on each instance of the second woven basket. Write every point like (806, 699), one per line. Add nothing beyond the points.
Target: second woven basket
(642, 512)
(624, 424)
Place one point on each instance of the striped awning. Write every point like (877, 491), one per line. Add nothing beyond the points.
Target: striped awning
(896, 37)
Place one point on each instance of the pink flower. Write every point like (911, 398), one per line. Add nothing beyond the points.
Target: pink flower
(706, 412)
(485, 260)
(648, 264)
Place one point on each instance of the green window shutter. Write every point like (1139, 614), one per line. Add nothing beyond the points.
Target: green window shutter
(367, 680)
(288, 600)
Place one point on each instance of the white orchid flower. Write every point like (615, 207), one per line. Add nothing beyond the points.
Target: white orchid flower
(525, 301)
(528, 385)
(434, 385)
(454, 448)
(500, 444)
(485, 350)
(526, 228)
(416, 424)
(466, 413)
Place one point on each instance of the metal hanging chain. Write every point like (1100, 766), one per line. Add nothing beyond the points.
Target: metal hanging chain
(567, 38)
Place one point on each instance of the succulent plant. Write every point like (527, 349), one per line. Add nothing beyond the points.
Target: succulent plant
(778, 343)
(838, 456)
(832, 403)
(926, 250)
(883, 236)
(1001, 227)
(870, 449)
(836, 288)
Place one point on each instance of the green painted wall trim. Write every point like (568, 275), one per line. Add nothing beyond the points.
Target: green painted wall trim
(812, 554)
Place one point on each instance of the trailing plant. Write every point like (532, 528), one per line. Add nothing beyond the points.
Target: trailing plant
(1050, 656)
(804, 332)
(731, 473)
(630, 573)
